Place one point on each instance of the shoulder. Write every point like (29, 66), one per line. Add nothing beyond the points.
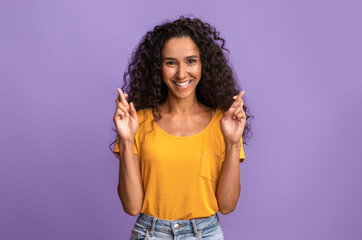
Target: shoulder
(215, 121)
(219, 113)
(144, 114)
(142, 111)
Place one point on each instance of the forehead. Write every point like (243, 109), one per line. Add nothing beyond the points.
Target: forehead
(180, 46)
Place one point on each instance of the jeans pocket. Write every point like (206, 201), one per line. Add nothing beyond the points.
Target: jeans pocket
(212, 233)
(135, 234)
(140, 230)
(210, 165)
(139, 234)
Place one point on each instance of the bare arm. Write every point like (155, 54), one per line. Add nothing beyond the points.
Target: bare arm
(228, 189)
(232, 126)
(130, 188)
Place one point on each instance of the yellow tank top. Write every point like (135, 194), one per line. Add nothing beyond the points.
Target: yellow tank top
(179, 174)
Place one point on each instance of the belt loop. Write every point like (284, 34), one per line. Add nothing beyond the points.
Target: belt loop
(217, 218)
(153, 226)
(194, 228)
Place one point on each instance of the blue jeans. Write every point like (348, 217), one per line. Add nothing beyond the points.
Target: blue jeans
(149, 227)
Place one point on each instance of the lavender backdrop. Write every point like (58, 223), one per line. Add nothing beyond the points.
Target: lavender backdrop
(298, 61)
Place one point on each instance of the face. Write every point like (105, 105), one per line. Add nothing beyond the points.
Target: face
(181, 66)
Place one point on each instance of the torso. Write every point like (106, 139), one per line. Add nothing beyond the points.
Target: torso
(185, 125)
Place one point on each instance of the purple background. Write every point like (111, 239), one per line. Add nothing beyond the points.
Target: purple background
(60, 65)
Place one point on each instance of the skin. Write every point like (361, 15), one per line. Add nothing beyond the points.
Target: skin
(232, 126)
(130, 187)
(182, 114)
(180, 62)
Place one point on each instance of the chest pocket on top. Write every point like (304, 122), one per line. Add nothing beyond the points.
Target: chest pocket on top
(210, 165)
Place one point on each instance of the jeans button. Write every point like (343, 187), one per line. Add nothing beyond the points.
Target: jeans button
(175, 226)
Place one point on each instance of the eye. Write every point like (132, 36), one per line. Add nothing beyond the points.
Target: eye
(170, 63)
(192, 60)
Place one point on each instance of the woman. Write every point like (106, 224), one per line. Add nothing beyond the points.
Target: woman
(180, 150)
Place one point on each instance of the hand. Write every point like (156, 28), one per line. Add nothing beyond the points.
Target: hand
(233, 121)
(125, 118)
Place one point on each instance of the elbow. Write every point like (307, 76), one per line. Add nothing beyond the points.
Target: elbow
(225, 210)
(130, 209)
(131, 212)
(228, 205)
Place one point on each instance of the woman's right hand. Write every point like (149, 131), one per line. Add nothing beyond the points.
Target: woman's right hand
(125, 118)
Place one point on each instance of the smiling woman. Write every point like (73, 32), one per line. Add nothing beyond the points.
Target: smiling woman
(180, 133)
(181, 68)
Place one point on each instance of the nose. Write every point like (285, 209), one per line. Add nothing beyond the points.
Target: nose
(182, 71)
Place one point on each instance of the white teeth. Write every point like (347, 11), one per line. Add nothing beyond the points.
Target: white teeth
(183, 84)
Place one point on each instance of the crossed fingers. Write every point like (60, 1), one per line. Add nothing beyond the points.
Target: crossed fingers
(122, 102)
(238, 105)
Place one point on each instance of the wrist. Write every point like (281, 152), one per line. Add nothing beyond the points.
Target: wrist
(232, 144)
(126, 141)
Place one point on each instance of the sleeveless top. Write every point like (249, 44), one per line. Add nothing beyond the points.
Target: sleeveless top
(179, 173)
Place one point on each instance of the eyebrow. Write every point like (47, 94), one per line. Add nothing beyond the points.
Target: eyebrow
(188, 57)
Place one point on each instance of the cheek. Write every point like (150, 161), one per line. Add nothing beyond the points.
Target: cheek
(167, 73)
(197, 71)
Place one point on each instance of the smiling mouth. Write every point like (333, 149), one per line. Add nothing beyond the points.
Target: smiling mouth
(183, 85)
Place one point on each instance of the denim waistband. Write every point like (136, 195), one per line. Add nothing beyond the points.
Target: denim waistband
(176, 226)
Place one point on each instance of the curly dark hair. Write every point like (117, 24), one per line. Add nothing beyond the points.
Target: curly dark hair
(143, 79)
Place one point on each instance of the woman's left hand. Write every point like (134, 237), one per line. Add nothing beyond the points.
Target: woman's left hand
(234, 120)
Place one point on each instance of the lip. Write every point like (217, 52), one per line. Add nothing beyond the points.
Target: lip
(183, 81)
(182, 88)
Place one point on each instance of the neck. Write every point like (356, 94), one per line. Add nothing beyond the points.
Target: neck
(179, 106)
